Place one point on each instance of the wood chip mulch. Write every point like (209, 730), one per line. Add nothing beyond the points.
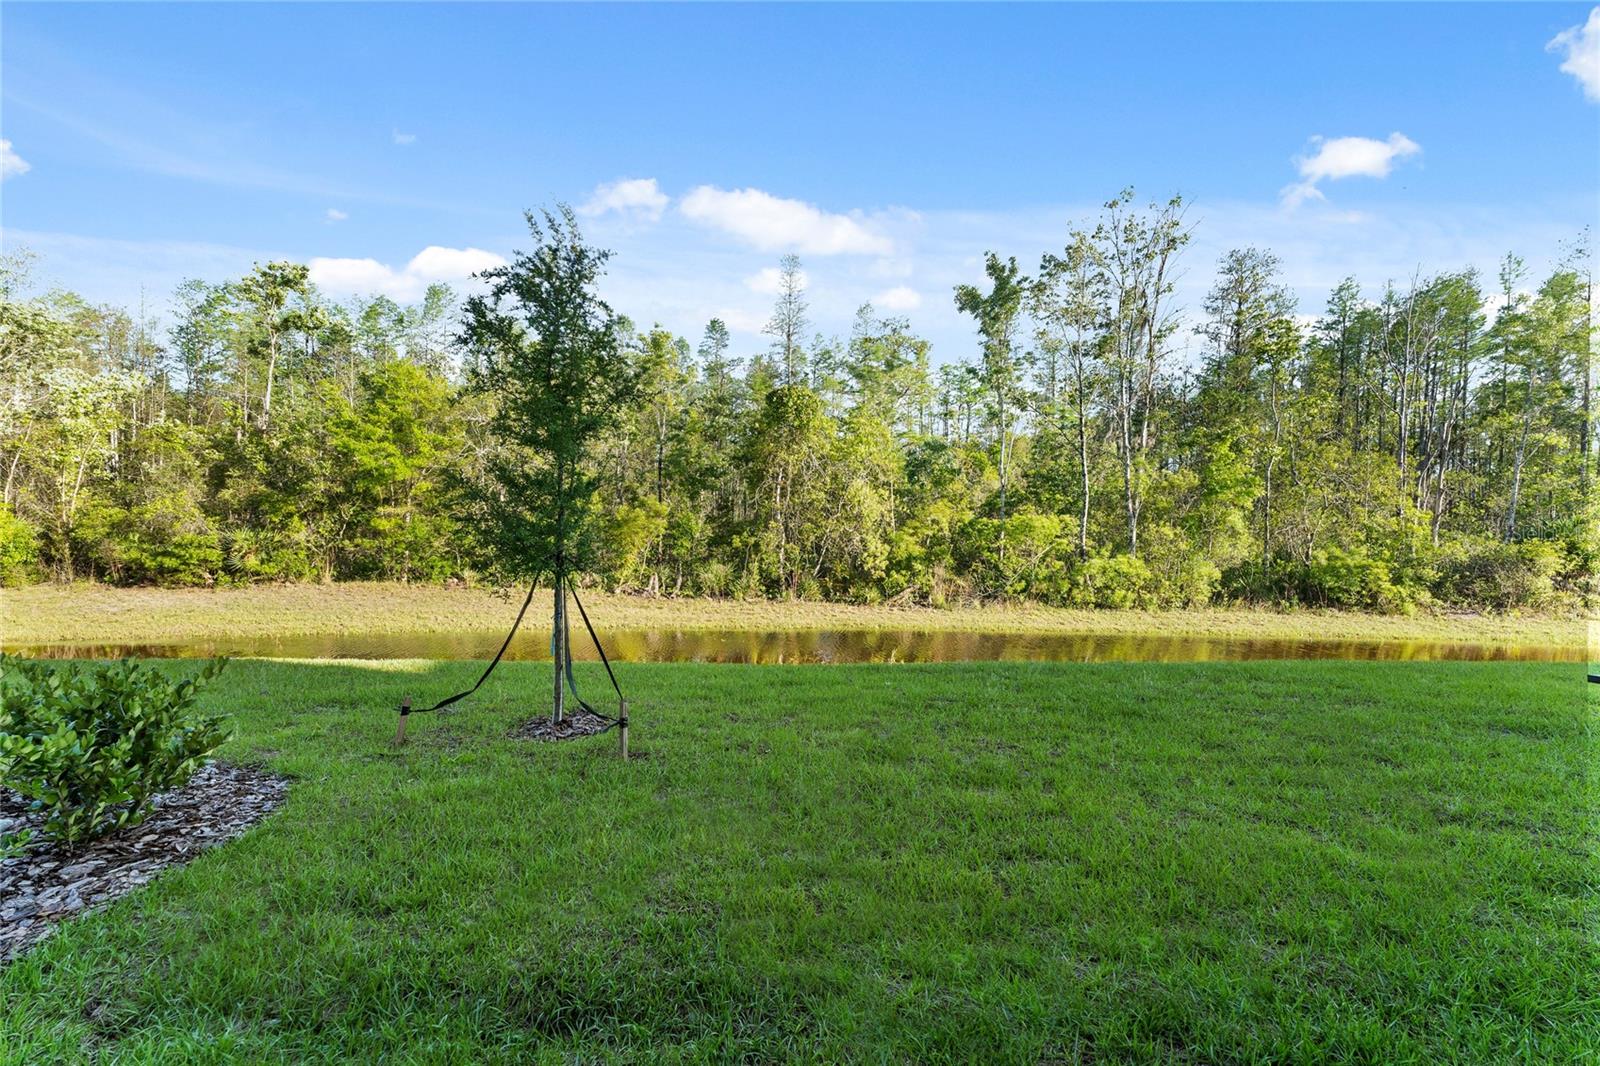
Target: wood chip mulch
(48, 884)
(573, 726)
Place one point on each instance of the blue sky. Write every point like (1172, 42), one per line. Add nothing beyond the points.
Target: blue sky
(890, 146)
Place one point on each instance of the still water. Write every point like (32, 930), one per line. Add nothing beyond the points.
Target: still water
(826, 646)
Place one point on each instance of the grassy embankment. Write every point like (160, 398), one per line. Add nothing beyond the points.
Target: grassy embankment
(1313, 862)
(97, 613)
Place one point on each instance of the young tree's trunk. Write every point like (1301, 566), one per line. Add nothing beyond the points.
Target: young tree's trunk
(558, 646)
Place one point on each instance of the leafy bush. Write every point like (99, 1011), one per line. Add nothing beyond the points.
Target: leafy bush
(1181, 574)
(19, 549)
(1334, 577)
(90, 746)
(1033, 562)
(1352, 579)
(1501, 576)
(1115, 581)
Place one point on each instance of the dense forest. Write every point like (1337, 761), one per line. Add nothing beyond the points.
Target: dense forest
(1419, 442)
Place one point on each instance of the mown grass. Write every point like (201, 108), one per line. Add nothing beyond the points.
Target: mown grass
(101, 614)
(1020, 862)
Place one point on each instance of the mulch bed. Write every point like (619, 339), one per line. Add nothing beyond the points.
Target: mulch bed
(48, 884)
(573, 725)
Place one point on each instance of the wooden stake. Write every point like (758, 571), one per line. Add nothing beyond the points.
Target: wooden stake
(622, 728)
(405, 714)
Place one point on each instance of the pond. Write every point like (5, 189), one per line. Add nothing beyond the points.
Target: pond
(824, 646)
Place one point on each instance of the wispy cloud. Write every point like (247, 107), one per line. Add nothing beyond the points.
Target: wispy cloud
(432, 264)
(335, 215)
(204, 155)
(132, 274)
(1581, 47)
(1346, 157)
(403, 139)
(772, 223)
(11, 164)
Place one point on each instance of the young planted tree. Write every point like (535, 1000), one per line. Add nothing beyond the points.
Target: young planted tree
(549, 353)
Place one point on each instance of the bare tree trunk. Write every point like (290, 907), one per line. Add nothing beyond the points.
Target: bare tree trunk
(1001, 403)
(1083, 466)
(1516, 479)
(1125, 425)
(272, 368)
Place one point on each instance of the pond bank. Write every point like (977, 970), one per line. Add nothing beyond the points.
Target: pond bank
(98, 614)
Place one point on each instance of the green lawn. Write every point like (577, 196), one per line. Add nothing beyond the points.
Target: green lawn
(1312, 862)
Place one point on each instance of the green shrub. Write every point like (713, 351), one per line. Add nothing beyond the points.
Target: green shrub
(19, 549)
(715, 579)
(1353, 579)
(1181, 574)
(1501, 576)
(1119, 582)
(90, 745)
(1334, 577)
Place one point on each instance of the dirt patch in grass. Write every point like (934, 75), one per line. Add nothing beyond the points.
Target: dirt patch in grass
(572, 727)
(49, 883)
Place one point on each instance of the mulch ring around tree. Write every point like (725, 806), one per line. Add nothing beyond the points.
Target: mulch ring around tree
(48, 883)
(572, 726)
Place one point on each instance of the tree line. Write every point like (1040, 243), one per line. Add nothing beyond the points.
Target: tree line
(1419, 442)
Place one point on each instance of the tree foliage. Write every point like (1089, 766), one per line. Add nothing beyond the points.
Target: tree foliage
(1424, 442)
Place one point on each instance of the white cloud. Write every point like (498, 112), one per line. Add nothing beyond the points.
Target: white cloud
(367, 276)
(1494, 301)
(1349, 157)
(336, 215)
(434, 263)
(899, 298)
(1582, 47)
(11, 164)
(772, 223)
(769, 281)
(1346, 157)
(637, 197)
(404, 139)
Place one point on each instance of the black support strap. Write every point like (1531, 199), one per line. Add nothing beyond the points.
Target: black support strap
(597, 646)
(464, 693)
(566, 665)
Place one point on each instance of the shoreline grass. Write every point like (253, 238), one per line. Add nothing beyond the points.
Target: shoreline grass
(1019, 862)
(85, 613)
